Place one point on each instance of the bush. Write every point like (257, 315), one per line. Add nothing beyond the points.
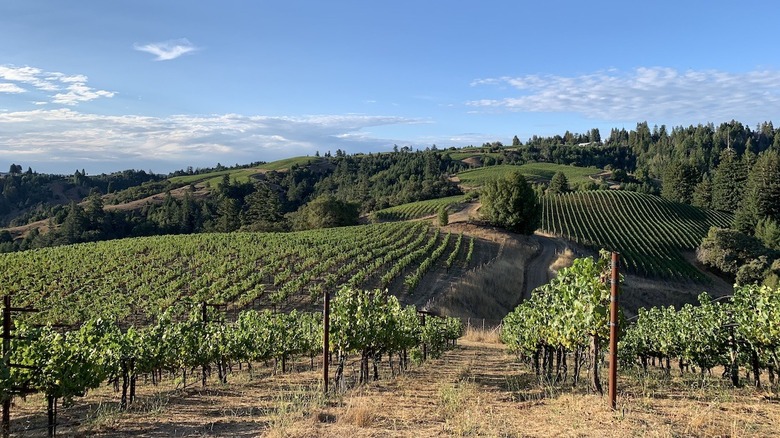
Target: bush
(325, 212)
(753, 272)
(730, 251)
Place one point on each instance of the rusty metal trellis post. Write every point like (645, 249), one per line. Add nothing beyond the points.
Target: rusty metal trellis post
(6, 357)
(613, 332)
(325, 340)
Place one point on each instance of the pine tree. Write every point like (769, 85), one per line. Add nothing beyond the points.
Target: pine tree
(679, 181)
(702, 195)
(558, 184)
(762, 193)
(728, 182)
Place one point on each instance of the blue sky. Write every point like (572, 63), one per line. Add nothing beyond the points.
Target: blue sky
(162, 85)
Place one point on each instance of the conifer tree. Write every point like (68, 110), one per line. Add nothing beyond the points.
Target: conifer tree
(558, 184)
(728, 182)
(762, 193)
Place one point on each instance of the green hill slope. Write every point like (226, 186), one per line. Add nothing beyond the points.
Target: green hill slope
(650, 232)
(414, 210)
(242, 175)
(538, 171)
(117, 279)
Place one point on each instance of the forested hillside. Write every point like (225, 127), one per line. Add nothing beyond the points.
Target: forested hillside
(729, 167)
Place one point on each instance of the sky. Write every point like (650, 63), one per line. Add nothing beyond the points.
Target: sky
(161, 85)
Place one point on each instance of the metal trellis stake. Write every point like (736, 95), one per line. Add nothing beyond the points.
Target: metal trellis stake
(325, 340)
(613, 332)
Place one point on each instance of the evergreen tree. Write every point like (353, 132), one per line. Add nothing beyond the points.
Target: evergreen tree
(228, 215)
(595, 135)
(444, 217)
(75, 224)
(262, 209)
(679, 182)
(762, 193)
(190, 214)
(558, 184)
(515, 141)
(511, 203)
(702, 195)
(728, 182)
(94, 209)
(768, 231)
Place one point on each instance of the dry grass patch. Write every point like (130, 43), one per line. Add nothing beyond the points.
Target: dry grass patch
(484, 335)
(362, 412)
(503, 276)
(564, 260)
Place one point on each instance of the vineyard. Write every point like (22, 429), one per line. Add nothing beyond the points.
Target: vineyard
(414, 210)
(536, 171)
(649, 232)
(141, 277)
(740, 332)
(568, 319)
(67, 365)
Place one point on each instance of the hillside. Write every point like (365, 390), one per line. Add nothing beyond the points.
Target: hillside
(140, 277)
(211, 179)
(652, 233)
(537, 172)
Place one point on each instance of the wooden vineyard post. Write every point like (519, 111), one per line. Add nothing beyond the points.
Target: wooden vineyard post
(6, 358)
(325, 340)
(613, 332)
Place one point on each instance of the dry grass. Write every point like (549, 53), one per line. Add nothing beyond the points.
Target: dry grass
(477, 389)
(484, 335)
(503, 277)
(361, 412)
(564, 260)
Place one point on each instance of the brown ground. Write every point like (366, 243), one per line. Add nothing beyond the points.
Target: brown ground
(158, 199)
(477, 389)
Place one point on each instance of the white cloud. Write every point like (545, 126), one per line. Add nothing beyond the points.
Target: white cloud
(653, 93)
(11, 88)
(67, 89)
(63, 138)
(78, 92)
(167, 50)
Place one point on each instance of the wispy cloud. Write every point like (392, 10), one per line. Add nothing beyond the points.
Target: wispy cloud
(654, 93)
(11, 88)
(78, 92)
(63, 138)
(61, 88)
(167, 50)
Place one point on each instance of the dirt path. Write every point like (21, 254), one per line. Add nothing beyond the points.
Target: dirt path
(476, 389)
(538, 271)
(466, 214)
